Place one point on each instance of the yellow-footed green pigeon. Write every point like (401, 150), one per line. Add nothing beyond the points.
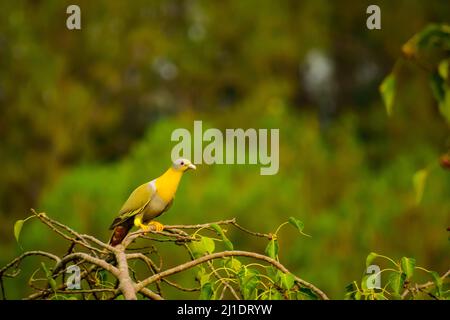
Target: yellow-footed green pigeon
(148, 201)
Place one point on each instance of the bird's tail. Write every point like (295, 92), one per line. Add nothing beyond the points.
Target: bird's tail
(119, 233)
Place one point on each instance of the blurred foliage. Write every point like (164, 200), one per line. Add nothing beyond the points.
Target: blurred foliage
(87, 115)
(430, 50)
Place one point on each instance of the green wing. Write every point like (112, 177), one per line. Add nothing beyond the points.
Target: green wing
(135, 203)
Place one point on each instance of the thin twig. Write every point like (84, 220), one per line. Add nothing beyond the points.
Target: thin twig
(257, 234)
(223, 281)
(17, 260)
(201, 225)
(43, 217)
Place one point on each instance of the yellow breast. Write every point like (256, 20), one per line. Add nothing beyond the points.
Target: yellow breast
(167, 184)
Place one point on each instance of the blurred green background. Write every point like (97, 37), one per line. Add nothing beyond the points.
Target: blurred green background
(87, 115)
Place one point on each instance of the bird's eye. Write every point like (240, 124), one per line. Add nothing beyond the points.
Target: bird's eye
(182, 163)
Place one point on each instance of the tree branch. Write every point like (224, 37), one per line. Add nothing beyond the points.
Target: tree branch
(218, 255)
(125, 282)
(18, 260)
(115, 260)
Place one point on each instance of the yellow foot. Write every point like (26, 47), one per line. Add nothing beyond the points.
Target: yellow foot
(144, 227)
(155, 224)
(158, 226)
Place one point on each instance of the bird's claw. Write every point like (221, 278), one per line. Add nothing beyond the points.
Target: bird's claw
(158, 227)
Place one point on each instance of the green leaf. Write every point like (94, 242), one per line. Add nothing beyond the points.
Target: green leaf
(441, 91)
(431, 35)
(437, 84)
(408, 265)
(434, 35)
(248, 289)
(18, 228)
(286, 280)
(419, 180)
(208, 244)
(204, 246)
(217, 228)
(437, 282)
(364, 282)
(307, 293)
(351, 287)
(395, 296)
(249, 280)
(228, 244)
(272, 249)
(387, 90)
(234, 264)
(444, 69)
(206, 291)
(49, 276)
(275, 295)
(349, 296)
(396, 281)
(102, 276)
(226, 241)
(271, 294)
(298, 224)
(204, 279)
(370, 258)
(380, 296)
(272, 272)
(202, 276)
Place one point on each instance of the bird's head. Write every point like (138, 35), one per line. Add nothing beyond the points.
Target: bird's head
(183, 165)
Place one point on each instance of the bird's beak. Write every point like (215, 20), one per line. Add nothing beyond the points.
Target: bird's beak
(192, 166)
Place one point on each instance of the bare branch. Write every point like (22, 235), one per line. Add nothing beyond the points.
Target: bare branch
(150, 294)
(257, 234)
(126, 285)
(17, 260)
(81, 255)
(77, 238)
(218, 255)
(199, 226)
